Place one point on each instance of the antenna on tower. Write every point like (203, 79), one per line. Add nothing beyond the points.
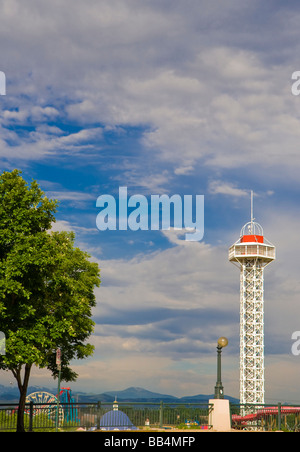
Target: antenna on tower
(252, 219)
(251, 225)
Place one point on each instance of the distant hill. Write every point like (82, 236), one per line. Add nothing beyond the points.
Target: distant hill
(205, 398)
(11, 394)
(132, 394)
(138, 393)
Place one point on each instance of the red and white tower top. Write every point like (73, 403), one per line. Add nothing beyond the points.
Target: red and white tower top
(252, 243)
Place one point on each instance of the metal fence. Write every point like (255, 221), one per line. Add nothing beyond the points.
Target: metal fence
(131, 416)
(104, 416)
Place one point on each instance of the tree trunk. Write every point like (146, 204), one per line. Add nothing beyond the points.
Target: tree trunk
(23, 392)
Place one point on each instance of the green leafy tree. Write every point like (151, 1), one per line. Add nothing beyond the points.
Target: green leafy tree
(46, 287)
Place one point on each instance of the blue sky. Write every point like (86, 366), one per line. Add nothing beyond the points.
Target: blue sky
(163, 97)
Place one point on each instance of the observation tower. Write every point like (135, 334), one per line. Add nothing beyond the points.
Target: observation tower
(251, 254)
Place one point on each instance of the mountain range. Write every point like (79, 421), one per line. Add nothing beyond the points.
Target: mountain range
(131, 394)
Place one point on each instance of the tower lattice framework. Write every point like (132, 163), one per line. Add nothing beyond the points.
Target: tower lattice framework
(252, 253)
(252, 332)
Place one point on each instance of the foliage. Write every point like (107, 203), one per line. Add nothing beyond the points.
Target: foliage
(46, 284)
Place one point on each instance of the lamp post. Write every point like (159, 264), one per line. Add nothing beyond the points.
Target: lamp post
(58, 363)
(219, 390)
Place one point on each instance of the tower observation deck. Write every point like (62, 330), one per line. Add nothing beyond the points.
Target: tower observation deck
(251, 253)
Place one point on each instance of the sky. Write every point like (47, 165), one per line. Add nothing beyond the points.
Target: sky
(167, 97)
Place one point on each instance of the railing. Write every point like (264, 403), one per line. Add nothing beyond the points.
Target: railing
(90, 416)
(144, 416)
(242, 250)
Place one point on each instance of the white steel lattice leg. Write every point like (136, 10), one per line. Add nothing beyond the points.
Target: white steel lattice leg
(252, 332)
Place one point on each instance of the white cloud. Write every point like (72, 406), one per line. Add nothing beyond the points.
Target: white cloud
(224, 188)
(205, 100)
(63, 225)
(165, 279)
(46, 141)
(184, 170)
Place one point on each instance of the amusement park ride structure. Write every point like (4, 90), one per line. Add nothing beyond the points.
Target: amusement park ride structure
(46, 401)
(251, 253)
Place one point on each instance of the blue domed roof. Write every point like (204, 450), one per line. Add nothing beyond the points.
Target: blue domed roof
(115, 419)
